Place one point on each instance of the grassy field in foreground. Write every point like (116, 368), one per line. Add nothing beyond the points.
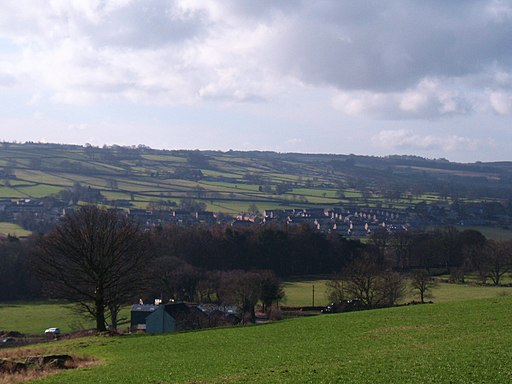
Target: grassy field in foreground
(461, 342)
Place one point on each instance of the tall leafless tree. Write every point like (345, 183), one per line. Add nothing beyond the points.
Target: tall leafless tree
(422, 282)
(95, 258)
(498, 259)
(363, 281)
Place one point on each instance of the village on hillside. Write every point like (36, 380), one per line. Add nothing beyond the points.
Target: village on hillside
(357, 222)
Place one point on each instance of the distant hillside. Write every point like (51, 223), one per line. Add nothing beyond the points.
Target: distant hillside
(235, 181)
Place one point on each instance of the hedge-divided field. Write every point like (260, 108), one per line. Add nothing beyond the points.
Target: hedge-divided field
(457, 342)
(232, 182)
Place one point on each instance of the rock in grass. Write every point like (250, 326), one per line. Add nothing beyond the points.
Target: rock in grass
(11, 366)
(49, 361)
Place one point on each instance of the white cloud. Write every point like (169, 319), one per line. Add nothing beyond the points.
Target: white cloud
(499, 10)
(404, 139)
(295, 142)
(429, 99)
(7, 80)
(183, 51)
(501, 102)
(275, 63)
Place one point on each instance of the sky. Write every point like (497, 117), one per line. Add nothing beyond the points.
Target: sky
(428, 78)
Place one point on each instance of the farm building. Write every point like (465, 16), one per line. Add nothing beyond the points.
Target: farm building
(139, 313)
(175, 317)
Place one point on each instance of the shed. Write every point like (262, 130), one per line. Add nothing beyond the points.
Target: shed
(139, 313)
(160, 321)
(176, 317)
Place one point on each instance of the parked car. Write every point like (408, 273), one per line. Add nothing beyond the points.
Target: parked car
(344, 306)
(52, 331)
(9, 340)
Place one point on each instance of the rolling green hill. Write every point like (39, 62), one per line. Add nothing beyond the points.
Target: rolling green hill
(241, 181)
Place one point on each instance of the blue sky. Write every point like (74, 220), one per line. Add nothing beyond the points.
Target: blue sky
(429, 78)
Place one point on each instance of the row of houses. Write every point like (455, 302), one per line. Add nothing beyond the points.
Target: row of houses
(41, 214)
(356, 221)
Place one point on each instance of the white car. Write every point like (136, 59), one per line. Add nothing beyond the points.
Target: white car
(52, 331)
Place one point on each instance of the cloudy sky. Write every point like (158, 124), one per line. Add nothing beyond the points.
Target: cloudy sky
(430, 78)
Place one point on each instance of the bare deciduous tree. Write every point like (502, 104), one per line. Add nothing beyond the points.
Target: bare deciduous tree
(498, 259)
(336, 290)
(422, 282)
(374, 287)
(242, 289)
(362, 277)
(95, 258)
(392, 288)
(271, 289)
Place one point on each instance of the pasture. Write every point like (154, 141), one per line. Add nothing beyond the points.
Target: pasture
(34, 317)
(300, 292)
(458, 342)
(495, 233)
(13, 230)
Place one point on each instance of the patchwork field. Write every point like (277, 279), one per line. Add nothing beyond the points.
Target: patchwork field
(232, 181)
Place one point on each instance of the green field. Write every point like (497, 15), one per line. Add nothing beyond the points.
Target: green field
(461, 342)
(494, 233)
(34, 318)
(300, 293)
(13, 230)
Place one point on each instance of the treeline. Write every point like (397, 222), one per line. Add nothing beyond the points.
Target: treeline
(17, 281)
(180, 260)
(287, 251)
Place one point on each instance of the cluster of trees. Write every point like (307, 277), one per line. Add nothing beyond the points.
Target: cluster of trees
(173, 278)
(17, 281)
(287, 251)
(80, 193)
(378, 276)
(113, 154)
(375, 284)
